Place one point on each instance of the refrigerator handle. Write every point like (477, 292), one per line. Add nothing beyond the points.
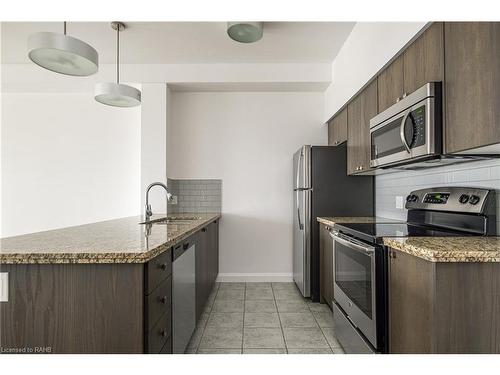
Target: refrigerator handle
(301, 226)
(298, 170)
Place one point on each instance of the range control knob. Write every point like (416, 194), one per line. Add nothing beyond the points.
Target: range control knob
(412, 198)
(464, 198)
(474, 199)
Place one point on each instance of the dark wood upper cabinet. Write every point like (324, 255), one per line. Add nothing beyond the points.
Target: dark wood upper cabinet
(337, 129)
(472, 85)
(390, 84)
(326, 264)
(423, 60)
(360, 111)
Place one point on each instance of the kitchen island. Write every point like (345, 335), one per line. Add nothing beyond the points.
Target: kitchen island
(101, 288)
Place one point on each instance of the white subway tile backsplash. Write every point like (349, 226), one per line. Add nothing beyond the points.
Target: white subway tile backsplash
(196, 196)
(485, 174)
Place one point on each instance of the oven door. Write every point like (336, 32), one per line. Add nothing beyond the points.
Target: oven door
(354, 283)
(406, 136)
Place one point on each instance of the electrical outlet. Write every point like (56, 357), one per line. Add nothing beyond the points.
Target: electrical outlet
(4, 287)
(400, 202)
(174, 199)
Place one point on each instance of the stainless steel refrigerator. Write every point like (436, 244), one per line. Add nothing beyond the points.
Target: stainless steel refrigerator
(322, 188)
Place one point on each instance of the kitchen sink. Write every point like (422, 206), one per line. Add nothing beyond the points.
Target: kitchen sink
(173, 220)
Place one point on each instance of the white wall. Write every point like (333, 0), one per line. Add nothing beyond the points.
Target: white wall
(367, 49)
(66, 160)
(247, 140)
(154, 144)
(485, 174)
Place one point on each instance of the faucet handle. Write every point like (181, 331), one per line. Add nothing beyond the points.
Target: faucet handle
(170, 197)
(149, 212)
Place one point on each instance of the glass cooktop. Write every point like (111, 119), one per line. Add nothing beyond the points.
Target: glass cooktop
(377, 231)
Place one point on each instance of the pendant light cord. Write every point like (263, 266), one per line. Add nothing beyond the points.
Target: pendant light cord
(118, 54)
(64, 27)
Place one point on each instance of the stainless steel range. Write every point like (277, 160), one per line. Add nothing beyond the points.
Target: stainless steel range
(360, 259)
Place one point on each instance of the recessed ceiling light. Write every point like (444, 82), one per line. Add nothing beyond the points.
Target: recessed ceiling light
(117, 94)
(245, 32)
(62, 53)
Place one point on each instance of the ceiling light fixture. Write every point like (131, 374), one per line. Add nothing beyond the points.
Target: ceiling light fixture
(245, 32)
(117, 94)
(62, 53)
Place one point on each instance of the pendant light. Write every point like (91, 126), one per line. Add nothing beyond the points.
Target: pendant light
(117, 94)
(245, 32)
(62, 53)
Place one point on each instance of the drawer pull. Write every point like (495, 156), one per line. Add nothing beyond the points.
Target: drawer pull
(204, 230)
(163, 266)
(185, 246)
(164, 299)
(163, 333)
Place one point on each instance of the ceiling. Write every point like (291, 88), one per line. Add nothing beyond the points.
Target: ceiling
(189, 42)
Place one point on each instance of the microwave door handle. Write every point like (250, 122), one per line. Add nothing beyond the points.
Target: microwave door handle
(368, 250)
(402, 132)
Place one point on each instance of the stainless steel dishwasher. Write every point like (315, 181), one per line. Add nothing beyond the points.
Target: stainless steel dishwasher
(184, 295)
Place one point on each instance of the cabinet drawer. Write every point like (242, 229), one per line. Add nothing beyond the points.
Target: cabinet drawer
(167, 348)
(160, 334)
(158, 303)
(157, 270)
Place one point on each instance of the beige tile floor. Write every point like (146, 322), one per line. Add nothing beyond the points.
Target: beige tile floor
(263, 318)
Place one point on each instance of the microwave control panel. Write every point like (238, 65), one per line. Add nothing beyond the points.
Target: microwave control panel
(418, 121)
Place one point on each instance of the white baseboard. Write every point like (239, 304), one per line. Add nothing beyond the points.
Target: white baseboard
(254, 277)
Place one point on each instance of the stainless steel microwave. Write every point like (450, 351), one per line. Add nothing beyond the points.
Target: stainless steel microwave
(409, 130)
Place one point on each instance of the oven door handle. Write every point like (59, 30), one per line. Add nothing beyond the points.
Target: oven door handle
(359, 246)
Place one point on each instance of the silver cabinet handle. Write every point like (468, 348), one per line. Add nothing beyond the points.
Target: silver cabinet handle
(353, 244)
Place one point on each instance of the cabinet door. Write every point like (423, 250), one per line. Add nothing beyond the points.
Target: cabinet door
(424, 59)
(214, 252)
(410, 303)
(360, 111)
(472, 85)
(354, 135)
(390, 84)
(202, 270)
(337, 129)
(326, 264)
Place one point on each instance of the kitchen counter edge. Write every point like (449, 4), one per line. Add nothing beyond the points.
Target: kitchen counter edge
(104, 257)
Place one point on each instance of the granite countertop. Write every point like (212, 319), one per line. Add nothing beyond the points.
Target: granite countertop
(113, 241)
(355, 219)
(449, 249)
(434, 249)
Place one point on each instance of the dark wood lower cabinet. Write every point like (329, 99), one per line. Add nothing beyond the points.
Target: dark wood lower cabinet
(99, 308)
(443, 307)
(326, 264)
(207, 264)
(73, 308)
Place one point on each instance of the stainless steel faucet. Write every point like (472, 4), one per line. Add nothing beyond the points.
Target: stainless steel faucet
(148, 212)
